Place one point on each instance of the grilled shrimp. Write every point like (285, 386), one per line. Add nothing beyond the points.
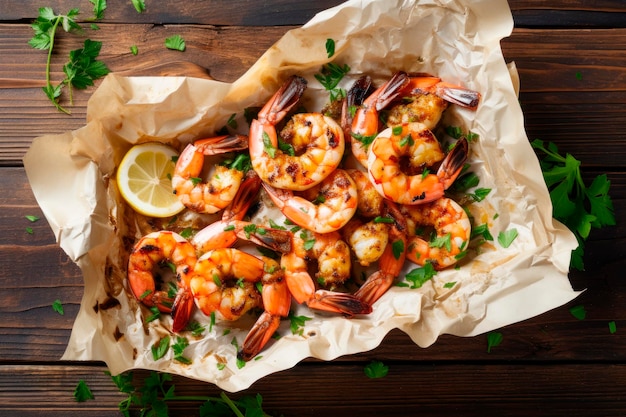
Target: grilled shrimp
(219, 191)
(412, 147)
(317, 142)
(333, 259)
(328, 208)
(452, 232)
(391, 261)
(365, 125)
(425, 98)
(150, 251)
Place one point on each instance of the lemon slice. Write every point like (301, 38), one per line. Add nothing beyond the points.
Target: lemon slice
(144, 180)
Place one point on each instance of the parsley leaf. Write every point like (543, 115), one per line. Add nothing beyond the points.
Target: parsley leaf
(418, 276)
(58, 307)
(330, 47)
(493, 339)
(579, 312)
(376, 369)
(160, 348)
(175, 42)
(330, 76)
(297, 323)
(507, 237)
(576, 205)
(612, 327)
(139, 5)
(82, 392)
(31, 218)
(98, 8)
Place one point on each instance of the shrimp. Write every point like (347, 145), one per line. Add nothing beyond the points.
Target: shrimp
(391, 261)
(336, 198)
(387, 163)
(354, 98)
(451, 225)
(333, 257)
(365, 125)
(219, 191)
(370, 202)
(317, 142)
(148, 253)
(425, 98)
(367, 240)
(227, 231)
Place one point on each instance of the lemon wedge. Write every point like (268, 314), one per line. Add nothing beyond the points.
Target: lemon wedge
(144, 180)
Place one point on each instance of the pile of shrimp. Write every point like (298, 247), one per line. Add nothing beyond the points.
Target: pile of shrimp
(338, 217)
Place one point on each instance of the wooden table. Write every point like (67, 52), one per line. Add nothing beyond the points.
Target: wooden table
(571, 59)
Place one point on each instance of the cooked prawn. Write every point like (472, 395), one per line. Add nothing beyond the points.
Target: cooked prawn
(317, 142)
(148, 253)
(354, 98)
(452, 232)
(328, 208)
(391, 261)
(417, 144)
(333, 259)
(219, 191)
(425, 98)
(370, 202)
(367, 240)
(366, 123)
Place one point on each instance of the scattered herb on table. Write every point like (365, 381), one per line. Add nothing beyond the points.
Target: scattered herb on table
(58, 307)
(376, 369)
(82, 68)
(579, 312)
(134, 50)
(99, 6)
(576, 205)
(493, 339)
(140, 5)
(175, 42)
(82, 392)
(152, 397)
(612, 327)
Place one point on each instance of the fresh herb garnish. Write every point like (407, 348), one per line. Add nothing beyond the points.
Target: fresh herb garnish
(578, 206)
(82, 68)
(505, 238)
(376, 369)
(134, 50)
(418, 276)
(612, 327)
(179, 349)
(175, 42)
(579, 312)
(297, 323)
(140, 5)
(99, 6)
(58, 307)
(493, 339)
(160, 348)
(330, 47)
(330, 76)
(195, 328)
(82, 392)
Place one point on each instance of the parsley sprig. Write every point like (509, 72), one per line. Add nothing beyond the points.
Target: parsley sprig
(152, 398)
(578, 206)
(82, 68)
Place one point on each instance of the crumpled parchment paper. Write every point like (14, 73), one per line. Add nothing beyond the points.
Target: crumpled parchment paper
(457, 40)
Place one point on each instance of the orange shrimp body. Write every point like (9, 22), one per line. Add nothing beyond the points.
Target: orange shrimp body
(333, 259)
(328, 208)
(219, 191)
(452, 227)
(391, 261)
(148, 253)
(425, 98)
(412, 147)
(317, 141)
(365, 124)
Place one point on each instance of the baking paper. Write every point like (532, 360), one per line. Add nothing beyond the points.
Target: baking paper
(72, 176)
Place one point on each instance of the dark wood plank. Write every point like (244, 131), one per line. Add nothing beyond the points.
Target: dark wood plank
(26, 313)
(572, 88)
(429, 388)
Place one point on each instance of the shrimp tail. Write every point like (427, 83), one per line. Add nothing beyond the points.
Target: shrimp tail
(390, 91)
(274, 239)
(336, 302)
(458, 95)
(246, 194)
(181, 310)
(453, 163)
(376, 285)
(259, 335)
(354, 98)
(221, 144)
(283, 101)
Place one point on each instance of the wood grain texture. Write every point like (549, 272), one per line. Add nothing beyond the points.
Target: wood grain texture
(570, 55)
